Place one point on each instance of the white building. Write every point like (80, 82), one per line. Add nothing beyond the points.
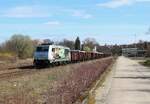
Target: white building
(132, 52)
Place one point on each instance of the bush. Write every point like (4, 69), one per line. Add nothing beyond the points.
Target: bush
(147, 63)
(20, 45)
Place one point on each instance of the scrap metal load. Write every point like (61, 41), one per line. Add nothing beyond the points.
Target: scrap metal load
(55, 54)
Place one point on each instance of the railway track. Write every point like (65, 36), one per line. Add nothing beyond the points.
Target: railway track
(20, 71)
(24, 70)
(15, 73)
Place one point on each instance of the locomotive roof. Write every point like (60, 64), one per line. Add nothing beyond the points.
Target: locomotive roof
(54, 46)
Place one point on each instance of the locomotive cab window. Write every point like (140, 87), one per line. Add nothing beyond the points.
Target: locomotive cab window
(53, 49)
(42, 49)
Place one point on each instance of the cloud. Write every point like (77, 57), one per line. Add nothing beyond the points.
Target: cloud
(36, 11)
(115, 3)
(120, 3)
(142, 0)
(53, 23)
(81, 14)
(25, 12)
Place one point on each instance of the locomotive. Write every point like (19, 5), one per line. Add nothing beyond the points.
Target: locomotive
(56, 54)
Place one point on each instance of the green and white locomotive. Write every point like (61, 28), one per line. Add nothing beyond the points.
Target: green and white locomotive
(51, 54)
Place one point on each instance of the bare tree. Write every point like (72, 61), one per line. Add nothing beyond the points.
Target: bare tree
(89, 44)
(67, 43)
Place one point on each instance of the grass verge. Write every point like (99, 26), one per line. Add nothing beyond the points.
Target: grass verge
(90, 98)
(146, 63)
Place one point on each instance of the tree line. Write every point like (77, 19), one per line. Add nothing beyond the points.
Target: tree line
(22, 46)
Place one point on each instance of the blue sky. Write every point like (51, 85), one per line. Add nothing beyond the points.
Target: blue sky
(108, 21)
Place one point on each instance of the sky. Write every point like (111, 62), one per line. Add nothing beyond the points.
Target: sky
(108, 21)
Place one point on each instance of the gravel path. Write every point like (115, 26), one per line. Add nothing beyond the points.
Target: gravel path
(128, 83)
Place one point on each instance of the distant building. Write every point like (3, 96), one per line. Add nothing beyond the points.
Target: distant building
(133, 52)
(95, 49)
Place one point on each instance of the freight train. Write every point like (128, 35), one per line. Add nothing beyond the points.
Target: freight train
(56, 55)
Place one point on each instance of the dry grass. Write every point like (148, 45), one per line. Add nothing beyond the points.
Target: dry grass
(31, 85)
(61, 85)
(6, 56)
